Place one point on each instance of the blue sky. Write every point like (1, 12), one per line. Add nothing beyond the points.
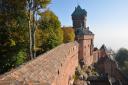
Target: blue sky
(108, 19)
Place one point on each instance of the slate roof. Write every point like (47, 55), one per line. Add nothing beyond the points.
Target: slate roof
(79, 11)
(83, 31)
(103, 47)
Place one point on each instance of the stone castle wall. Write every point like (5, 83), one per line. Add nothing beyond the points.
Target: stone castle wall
(55, 67)
(96, 56)
(86, 48)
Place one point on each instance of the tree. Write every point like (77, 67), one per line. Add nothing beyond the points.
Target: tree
(52, 34)
(69, 35)
(121, 56)
(122, 59)
(33, 7)
(13, 34)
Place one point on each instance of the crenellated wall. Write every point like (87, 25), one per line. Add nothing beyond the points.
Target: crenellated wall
(55, 67)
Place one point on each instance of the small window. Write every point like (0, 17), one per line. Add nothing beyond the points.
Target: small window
(58, 72)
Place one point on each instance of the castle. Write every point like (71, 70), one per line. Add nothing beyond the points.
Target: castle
(57, 66)
(83, 35)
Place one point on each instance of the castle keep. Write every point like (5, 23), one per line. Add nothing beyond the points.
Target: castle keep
(83, 35)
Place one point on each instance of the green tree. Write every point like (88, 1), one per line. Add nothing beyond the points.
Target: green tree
(33, 7)
(15, 30)
(52, 34)
(122, 59)
(121, 56)
(13, 34)
(69, 34)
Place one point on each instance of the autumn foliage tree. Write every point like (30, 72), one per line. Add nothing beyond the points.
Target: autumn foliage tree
(19, 29)
(69, 35)
(50, 32)
(34, 7)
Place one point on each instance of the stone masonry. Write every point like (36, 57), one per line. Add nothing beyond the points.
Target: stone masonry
(83, 35)
(55, 67)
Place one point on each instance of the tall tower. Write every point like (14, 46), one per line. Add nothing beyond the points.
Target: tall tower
(83, 35)
(79, 17)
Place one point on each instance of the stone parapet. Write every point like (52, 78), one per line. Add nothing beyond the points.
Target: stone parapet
(47, 67)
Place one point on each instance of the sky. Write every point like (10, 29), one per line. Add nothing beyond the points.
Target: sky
(107, 19)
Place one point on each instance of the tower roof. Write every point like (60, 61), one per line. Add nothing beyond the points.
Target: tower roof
(79, 11)
(83, 31)
(103, 47)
